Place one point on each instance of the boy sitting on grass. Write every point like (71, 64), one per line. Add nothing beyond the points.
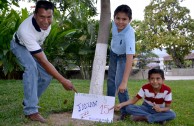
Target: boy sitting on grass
(157, 99)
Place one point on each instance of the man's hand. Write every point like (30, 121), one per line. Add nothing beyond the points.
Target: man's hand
(67, 85)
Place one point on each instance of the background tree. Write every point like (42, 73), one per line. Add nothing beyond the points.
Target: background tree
(169, 26)
(77, 49)
(143, 50)
(55, 44)
(81, 49)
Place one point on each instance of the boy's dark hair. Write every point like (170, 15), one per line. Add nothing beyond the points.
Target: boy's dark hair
(156, 71)
(125, 9)
(44, 4)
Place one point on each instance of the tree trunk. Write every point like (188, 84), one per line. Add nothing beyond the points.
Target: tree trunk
(97, 79)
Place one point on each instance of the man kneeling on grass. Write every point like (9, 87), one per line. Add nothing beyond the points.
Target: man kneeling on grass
(157, 99)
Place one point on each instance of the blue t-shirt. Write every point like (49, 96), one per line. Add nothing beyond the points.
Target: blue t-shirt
(123, 42)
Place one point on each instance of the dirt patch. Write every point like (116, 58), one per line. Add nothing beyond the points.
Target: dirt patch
(64, 119)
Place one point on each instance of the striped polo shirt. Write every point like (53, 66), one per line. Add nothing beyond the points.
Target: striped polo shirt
(150, 97)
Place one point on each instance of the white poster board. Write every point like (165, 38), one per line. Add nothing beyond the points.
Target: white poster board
(93, 107)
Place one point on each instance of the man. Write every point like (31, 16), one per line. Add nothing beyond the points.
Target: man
(26, 46)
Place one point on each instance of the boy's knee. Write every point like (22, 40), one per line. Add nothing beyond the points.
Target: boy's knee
(173, 115)
(130, 108)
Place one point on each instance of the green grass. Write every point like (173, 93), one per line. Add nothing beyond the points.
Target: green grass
(11, 95)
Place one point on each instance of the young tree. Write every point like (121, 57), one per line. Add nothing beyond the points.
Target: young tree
(143, 50)
(169, 26)
(97, 80)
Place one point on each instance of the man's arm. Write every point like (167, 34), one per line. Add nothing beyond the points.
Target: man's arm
(52, 71)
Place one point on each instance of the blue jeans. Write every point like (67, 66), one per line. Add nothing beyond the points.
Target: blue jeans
(35, 78)
(147, 111)
(115, 76)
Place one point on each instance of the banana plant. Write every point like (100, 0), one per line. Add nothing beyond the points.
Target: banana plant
(9, 23)
(55, 44)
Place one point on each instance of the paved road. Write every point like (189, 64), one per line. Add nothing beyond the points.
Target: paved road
(179, 77)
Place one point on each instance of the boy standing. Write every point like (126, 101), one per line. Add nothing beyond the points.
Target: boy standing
(157, 99)
(121, 54)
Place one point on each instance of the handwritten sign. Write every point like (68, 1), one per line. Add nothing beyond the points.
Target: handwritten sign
(93, 107)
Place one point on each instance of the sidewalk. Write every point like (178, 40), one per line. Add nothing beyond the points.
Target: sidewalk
(179, 77)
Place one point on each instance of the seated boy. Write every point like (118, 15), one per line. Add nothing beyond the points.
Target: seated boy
(157, 99)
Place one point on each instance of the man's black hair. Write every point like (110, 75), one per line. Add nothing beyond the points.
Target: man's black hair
(156, 71)
(125, 9)
(44, 4)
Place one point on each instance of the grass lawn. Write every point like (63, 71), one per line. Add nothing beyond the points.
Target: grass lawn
(11, 95)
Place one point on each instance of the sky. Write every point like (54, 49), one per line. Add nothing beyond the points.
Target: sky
(138, 7)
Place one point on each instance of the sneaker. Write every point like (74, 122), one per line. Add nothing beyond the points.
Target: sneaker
(36, 117)
(162, 123)
(23, 103)
(123, 117)
(138, 118)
